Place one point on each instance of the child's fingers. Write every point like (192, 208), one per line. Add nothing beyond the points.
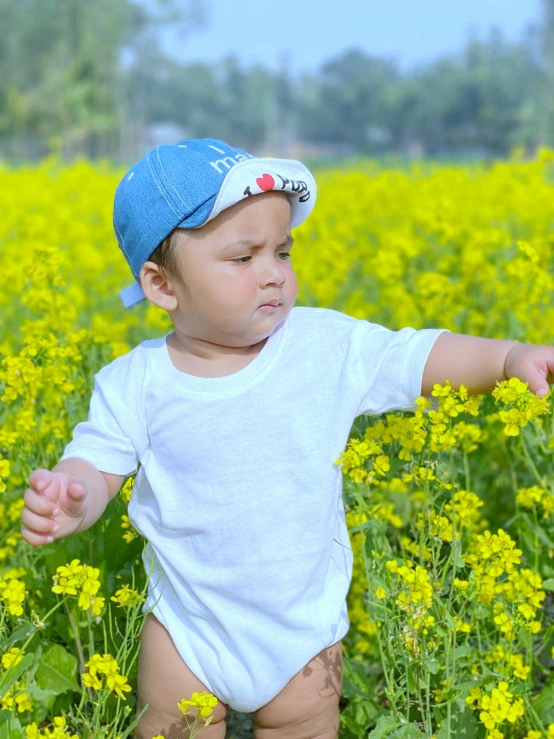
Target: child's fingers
(37, 524)
(38, 503)
(74, 497)
(39, 479)
(32, 537)
(46, 483)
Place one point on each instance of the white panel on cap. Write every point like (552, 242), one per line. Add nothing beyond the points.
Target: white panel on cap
(242, 180)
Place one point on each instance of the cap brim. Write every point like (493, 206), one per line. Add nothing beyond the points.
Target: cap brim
(132, 295)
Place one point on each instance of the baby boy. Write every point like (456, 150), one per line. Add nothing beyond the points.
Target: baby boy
(234, 421)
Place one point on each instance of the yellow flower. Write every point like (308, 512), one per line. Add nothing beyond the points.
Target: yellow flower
(32, 731)
(12, 657)
(204, 701)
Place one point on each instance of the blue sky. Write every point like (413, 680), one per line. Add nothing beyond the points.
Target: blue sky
(311, 31)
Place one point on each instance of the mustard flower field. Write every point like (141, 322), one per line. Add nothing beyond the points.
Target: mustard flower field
(450, 507)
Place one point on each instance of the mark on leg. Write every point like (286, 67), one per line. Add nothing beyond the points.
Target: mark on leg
(308, 705)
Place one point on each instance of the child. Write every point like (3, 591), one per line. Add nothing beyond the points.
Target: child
(236, 418)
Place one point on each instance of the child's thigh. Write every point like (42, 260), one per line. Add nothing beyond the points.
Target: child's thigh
(308, 705)
(163, 681)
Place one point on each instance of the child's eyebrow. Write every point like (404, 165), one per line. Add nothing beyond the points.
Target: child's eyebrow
(288, 241)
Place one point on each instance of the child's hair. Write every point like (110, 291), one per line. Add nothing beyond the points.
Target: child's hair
(165, 254)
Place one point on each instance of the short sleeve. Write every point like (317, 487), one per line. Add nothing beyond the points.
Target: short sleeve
(101, 439)
(388, 365)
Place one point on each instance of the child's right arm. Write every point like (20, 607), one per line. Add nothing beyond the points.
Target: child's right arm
(72, 496)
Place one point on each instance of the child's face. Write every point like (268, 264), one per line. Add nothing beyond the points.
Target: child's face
(219, 299)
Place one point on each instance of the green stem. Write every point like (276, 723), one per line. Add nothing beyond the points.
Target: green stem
(529, 460)
(466, 471)
(384, 661)
(90, 634)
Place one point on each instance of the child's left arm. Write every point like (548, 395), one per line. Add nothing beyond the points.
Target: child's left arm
(478, 364)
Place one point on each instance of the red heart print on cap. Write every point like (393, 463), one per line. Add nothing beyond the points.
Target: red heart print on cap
(266, 182)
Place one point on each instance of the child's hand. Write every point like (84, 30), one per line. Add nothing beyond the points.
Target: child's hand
(55, 505)
(532, 363)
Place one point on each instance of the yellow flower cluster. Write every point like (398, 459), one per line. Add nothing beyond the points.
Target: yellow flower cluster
(494, 555)
(132, 534)
(536, 496)
(58, 732)
(13, 593)
(440, 251)
(127, 489)
(526, 405)
(10, 514)
(126, 596)
(523, 588)
(491, 556)
(4, 472)
(464, 510)
(414, 598)
(205, 703)
(507, 663)
(105, 665)
(532, 734)
(496, 707)
(415, 548)
(438, 526)
(16, 698)
(75, 578)
(469, 436)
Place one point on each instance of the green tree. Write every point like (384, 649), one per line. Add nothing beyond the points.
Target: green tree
(62, 74)
(483, 100)
(352, 101)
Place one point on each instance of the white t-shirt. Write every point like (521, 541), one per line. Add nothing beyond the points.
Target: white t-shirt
(238, 494)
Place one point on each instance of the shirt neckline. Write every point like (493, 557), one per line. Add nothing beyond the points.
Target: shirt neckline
(182, 381)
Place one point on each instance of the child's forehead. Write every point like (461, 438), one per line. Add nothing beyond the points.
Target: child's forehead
(241, 228)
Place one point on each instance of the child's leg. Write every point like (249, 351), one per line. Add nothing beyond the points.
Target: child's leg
(308, 705)
(163, 681)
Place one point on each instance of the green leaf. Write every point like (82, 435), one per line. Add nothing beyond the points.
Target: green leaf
(548, 570)
(463, 651)
(357, 716)
(384, 727)
(548, 584)
(10, 726)
(410, 731)
(433, 665)
(458, 559)
(14, 673)
(356, 681)
(544, 704)
(57, 670)
(463, 724)
(467, 685)
(411, 682)
(543, 536)
(43, 700)
(18, 635)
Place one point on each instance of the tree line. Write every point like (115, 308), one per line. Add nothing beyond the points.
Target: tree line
(85, 79)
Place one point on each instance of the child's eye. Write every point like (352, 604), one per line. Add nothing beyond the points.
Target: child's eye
(237, 260)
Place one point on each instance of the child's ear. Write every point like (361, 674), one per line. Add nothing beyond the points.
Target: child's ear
(156, 287)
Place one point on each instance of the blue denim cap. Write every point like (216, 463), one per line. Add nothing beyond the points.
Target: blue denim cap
(187, 184)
